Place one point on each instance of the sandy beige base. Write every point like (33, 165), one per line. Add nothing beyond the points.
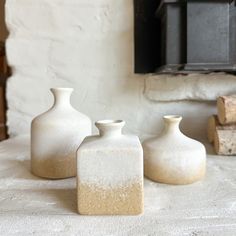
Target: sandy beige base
(162, 176)
(54, 167)
(93, 200)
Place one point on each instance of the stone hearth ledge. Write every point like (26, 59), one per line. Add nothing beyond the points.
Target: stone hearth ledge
(198, 87)
(32, 206)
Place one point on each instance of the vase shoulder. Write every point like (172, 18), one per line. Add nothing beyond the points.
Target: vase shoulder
(123, 141)
(171, 141)
(55, 117)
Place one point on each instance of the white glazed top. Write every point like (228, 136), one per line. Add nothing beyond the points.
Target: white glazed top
(60, 129)
(111, 158)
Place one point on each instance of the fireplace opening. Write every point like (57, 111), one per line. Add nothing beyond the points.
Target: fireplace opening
(180, 36)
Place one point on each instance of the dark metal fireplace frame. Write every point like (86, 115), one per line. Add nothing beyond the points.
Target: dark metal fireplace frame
(185, 36)
(198, 35)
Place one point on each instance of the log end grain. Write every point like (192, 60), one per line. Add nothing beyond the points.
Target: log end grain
(226, 106)
(221, 110)
(211, 127)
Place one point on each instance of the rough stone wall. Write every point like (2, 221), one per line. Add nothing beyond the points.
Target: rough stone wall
(3, 30)
(88, 45)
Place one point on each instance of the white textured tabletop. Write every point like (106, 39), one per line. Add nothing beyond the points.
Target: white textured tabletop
(34, 206)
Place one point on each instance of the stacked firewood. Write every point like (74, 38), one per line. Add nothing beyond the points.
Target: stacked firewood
(222, 127)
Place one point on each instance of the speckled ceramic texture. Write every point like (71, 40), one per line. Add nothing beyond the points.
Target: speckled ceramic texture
(173, 158)
(55, 137)
(110, 172)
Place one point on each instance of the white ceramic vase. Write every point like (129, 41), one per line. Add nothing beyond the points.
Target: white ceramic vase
(110, 172)
(173, 158)
(55, 137)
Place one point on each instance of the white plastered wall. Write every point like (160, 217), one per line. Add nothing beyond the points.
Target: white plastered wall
(88, 45)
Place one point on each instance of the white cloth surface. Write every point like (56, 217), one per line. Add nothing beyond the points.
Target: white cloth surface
(34, 206)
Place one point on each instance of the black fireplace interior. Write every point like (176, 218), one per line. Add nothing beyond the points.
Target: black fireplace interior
(183, 36)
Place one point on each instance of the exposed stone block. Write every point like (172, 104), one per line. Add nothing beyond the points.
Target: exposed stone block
(201, 87)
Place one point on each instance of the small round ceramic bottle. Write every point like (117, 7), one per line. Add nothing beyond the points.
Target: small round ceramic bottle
(173, 158)
(55, 137)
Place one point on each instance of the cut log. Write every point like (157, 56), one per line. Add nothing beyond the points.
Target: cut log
(225, 141)
(226, 106)
(211, 127)
(213, 123)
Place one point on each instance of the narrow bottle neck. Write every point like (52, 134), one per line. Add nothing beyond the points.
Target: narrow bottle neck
(110, 128)
(172, 124)
(61, 97)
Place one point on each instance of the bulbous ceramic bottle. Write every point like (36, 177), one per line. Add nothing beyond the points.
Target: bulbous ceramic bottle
(55, 137)
(110, 172)
(173, 158)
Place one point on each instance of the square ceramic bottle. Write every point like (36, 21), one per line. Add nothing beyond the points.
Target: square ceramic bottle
(110, 172)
